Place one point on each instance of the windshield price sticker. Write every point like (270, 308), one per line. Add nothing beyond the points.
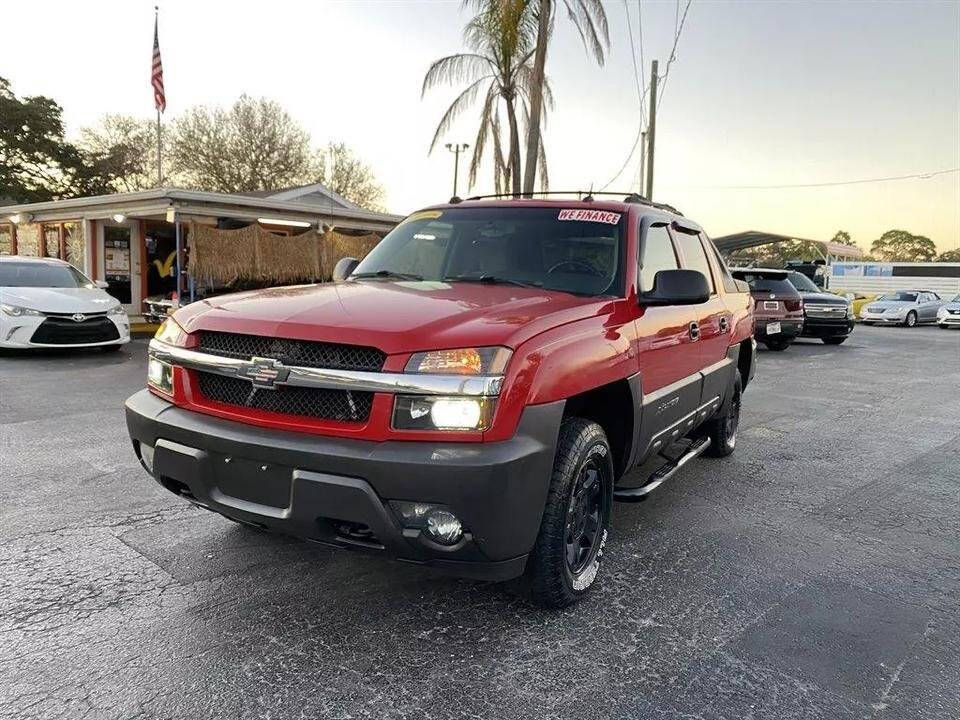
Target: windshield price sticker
(600, 216)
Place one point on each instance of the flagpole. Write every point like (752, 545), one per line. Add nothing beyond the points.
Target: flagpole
(156, 13)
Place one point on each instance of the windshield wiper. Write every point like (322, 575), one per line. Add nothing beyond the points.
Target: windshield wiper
(491, 280)
(387, 274)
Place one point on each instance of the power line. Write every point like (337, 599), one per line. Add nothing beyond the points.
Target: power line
(920, 176)
(641, 91)
(673, 51)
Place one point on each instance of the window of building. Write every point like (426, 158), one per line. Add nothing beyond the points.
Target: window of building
(6, 239)
(658, 254)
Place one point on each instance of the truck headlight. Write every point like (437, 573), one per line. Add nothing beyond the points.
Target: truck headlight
(418, 412)
(160, 376)
(463, 361)
(17, 311)
(171, 333)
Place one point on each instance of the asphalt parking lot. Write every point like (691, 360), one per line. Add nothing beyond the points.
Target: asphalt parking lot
(813, 574)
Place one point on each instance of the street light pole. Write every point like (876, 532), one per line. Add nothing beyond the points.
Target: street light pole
(455, 148)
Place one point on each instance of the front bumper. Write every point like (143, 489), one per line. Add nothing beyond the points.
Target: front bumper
(822, 327)
(18, 332)
(949, 319)
(308, 485)
(882, 318)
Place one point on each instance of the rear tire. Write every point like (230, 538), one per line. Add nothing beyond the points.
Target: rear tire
(566, 556)
(834, 340)
(911, 320)
(777, 345)
(722, 430)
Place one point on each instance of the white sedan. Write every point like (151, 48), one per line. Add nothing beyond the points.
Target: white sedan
(46, 302)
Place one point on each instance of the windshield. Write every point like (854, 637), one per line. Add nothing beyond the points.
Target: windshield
(802, 283)
(577, 251)
(899, 297)
(36, 274)
(956, 299)
(767, 283)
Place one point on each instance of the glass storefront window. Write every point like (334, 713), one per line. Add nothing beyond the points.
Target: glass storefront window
(51, 237)
(76, 248)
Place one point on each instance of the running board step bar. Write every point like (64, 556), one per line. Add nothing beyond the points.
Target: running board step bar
(667, 471)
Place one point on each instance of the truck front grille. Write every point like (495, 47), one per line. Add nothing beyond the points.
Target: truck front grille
(320, 403)
(826, 311)
(302, 353)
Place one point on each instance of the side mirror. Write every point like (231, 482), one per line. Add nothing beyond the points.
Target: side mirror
(677, 287)
(343, 268)
(102, 284)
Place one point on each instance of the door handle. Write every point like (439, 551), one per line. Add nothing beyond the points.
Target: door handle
(694, 330)
(724, 324)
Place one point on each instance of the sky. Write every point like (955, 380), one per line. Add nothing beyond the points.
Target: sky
(760, 94)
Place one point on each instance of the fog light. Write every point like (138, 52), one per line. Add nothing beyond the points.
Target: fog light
(444, 527)
(435, 521)
(146, 457)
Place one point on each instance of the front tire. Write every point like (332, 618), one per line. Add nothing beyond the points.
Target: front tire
(777, 345)
(566, 555)
(834, 340)
(911, 320)
(722, 430)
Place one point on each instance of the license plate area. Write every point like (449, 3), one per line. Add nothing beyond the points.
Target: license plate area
(252, 481)
(771, 305)
(773, 328)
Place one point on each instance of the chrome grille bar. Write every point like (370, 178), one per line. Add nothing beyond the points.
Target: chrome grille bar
(406, 383)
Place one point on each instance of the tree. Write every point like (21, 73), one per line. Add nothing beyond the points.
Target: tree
(255, 145)
(500, 37)
(949, 256)
(590, 20)
(842, 237)
(345, 174)
(129, 144)
(902, 246)
(36, 162)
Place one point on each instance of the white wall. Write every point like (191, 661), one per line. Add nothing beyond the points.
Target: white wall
(944, 286)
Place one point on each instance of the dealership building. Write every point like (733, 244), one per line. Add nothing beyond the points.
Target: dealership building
(137, 241)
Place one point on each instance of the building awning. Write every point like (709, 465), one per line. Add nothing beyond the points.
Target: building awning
(756, 238)
(195, 204)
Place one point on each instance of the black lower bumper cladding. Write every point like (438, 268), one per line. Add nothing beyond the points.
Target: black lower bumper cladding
(336, 491)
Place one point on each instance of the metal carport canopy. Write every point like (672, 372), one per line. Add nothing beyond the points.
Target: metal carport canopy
(755, 238)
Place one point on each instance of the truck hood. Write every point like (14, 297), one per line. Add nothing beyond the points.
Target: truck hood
(59, 300)
(823, 298)
(396, 317)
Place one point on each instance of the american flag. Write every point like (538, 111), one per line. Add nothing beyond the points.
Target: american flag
(156, 75)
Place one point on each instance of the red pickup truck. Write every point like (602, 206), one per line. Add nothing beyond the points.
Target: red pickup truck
(472, 396)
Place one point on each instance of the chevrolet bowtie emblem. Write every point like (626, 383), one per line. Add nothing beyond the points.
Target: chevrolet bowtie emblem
(264, 372)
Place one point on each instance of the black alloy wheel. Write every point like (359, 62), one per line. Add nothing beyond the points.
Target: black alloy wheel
(584, 516)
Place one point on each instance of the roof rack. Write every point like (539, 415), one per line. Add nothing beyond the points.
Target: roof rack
(585, 195)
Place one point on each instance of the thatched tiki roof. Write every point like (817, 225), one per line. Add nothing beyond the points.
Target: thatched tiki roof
(252, 253)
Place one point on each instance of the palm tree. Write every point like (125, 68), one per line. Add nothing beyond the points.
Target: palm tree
(590, 20)
(501, 39)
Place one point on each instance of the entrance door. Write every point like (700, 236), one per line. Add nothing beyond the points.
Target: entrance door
(116, 262)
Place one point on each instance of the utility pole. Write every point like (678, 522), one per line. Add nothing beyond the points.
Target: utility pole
(651, 129)
(643, 159)
(455, 148)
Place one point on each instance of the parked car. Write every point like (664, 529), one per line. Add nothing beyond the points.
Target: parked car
(857, 300)
(825, 315)
(469, 397)
(778, 316)
(45, 302)
(948, 315)
(903, 307)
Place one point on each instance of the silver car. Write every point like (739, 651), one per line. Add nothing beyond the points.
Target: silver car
(902, 307)
(948, 315)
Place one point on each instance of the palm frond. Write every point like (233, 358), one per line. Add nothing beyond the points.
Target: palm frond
(590, 20)
(486, 126)
(455, 70)
(461, 103)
